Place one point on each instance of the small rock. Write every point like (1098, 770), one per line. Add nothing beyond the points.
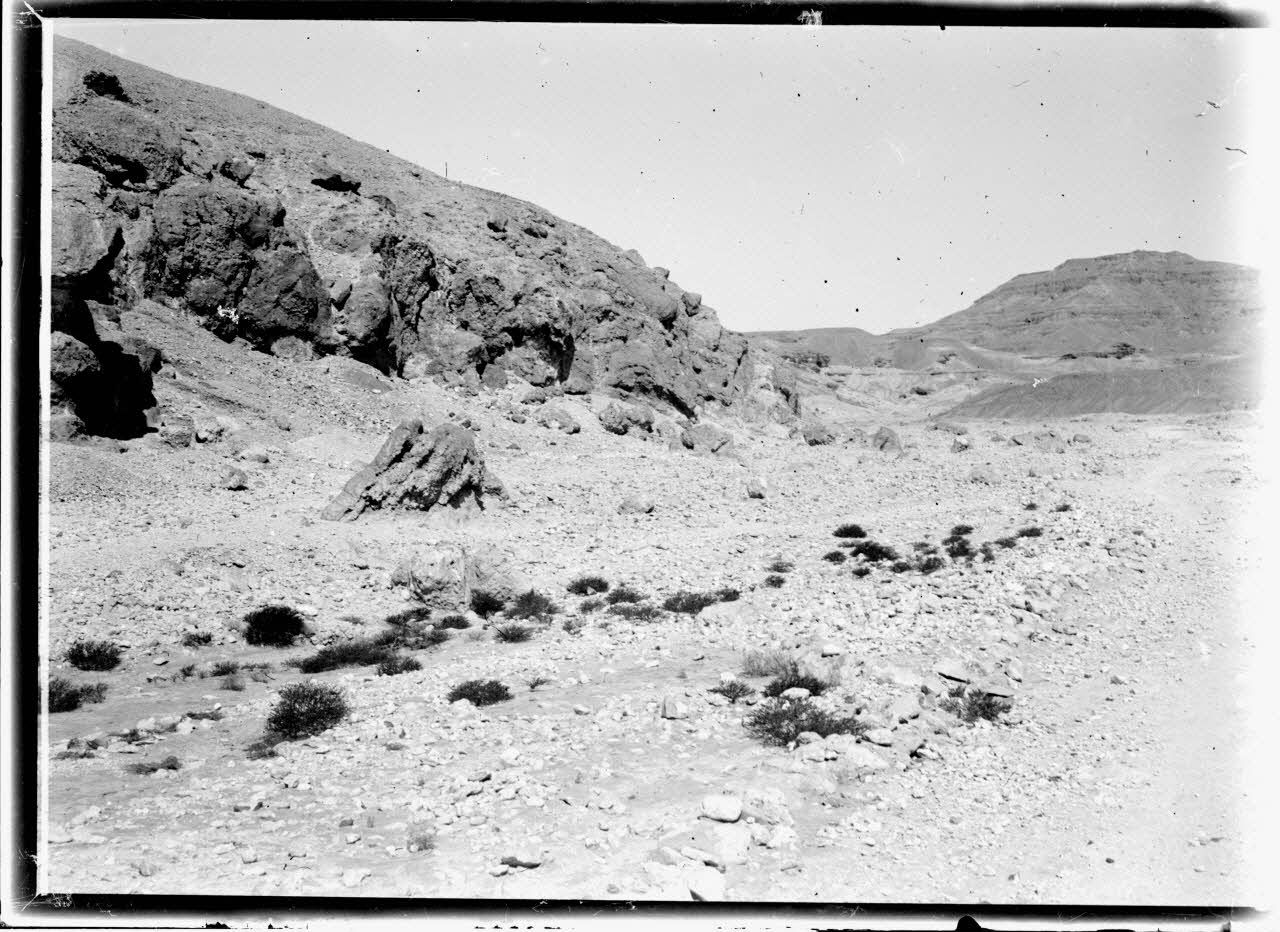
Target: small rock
(705, 883)
(355, 876)
(636, 505)
(721, 808)
(673, 708)
(234, 478)
(880, 736)
(757, 488)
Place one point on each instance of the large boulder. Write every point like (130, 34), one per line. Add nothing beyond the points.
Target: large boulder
(416, 469)
(122, 142)
(705, 438)
(886, 441)
(440, 577)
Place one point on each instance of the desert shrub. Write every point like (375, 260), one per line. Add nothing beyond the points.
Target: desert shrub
(636, 612)
(411, 637)
(588, 585)
(1007, 542)
(187, 671)
(350, 654)
(535, 681)
(480, 692)
(689, 603)
(417, 615)
(780, 566)
(959, 549)
(591, 605)
(574, 625)
(960, 530)
(532, 604)
(224, 668)
(849, 531)
(774, 581)
(861, 571)
(97, 656)
(769, 663)
(485, 603)
(210, 715)
(1031, 531)
(420, 840)
(923, 546)
(233, 682)
(873, 552)
(197, 639)
(394, 666)
(834, 556)
(625, 593)
(792, 679)
(975, 704)
(728, 594)
(734, 690)
(1030, 506)
(931, 565)
(900, 566)
(66, 696)
(307, 709)
(782, 721)
(988, 554)
(146, 768)
(1121, 351)
(456, 622)
(1061, 508)
(273, 626)
(512, 633)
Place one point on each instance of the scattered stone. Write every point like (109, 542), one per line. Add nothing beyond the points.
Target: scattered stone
(636, 505)
(722, 808)
(757, 488)
(673, 708)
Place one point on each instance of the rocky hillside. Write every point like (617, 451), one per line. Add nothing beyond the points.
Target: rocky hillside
(273, 230)
(1162, 302)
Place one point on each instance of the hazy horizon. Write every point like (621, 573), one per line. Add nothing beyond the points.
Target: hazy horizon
(865, 177)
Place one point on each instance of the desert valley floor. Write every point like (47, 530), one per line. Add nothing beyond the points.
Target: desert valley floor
(1122, 632)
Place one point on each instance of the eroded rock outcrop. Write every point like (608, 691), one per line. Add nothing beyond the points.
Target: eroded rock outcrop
(266, 227)
(419, 470)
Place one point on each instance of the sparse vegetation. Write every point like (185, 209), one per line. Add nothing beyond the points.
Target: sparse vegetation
(273, 626)
(625, 593)
(588, 585)
(480, 692)
(959, 548)
(512, 633)
(532, 605)
(728, 594)
(793, 679)
(931, 565)
(689, 603)
(849, 531)
(234, 682)
(973, 704)
(1029, 506)
(147, 768)
(455, 622)
(861, 571)
(535, 681)
(835, 556)
(780, 566)
(900, 566)
(224, 668)
(781, 721)
(588, 606)
(305, 709)
(485, 603)
(1031, 531)
(873, 552)
(350, 654)
(1062, 507)
(988, 554)
(196, 639)
(960, 530)
(734, 690)
(66, 696)
(774, 581)
(420, 840)
(1007, 542)
(636, 612)
(414, 636)
(394, 666)
(96, 656)
(410, 616)
(211, 715)
(574, 625)
(769, 663)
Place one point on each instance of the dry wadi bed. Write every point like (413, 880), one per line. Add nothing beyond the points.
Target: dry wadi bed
(1120, 632)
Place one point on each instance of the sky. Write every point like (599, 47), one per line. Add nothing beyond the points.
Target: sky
(872, 177)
